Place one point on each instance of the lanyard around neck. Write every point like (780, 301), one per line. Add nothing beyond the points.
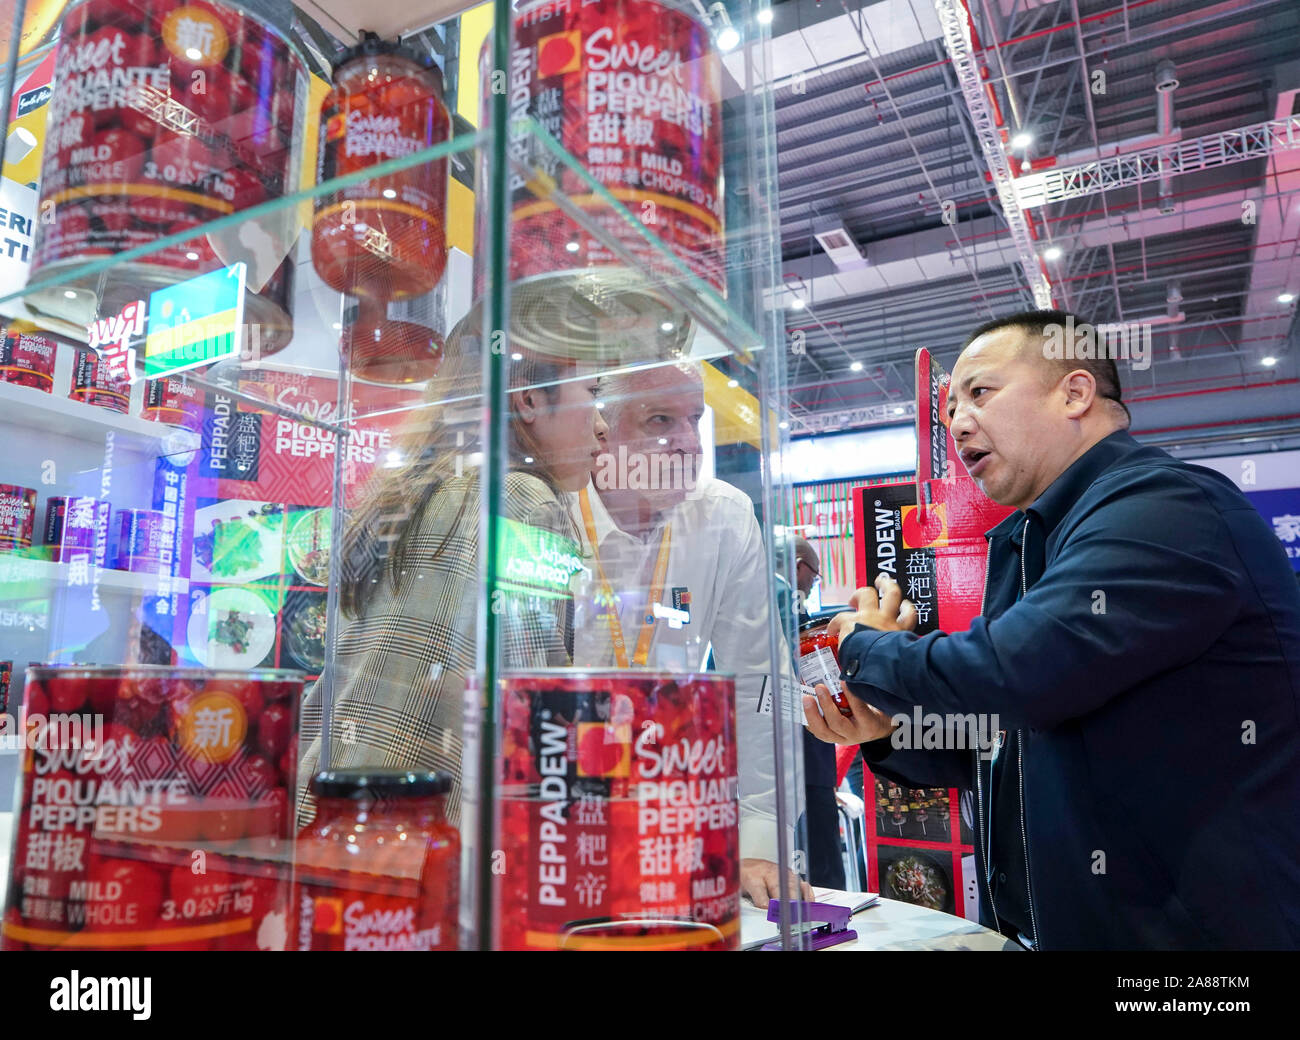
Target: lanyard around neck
(607, 592)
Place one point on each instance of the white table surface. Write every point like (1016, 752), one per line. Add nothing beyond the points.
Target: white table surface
(888, 925)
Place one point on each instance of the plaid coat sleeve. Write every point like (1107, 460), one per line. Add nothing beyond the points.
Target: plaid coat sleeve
(403, 666)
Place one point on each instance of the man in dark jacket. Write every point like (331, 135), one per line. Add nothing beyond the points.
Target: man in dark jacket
(1139, 649)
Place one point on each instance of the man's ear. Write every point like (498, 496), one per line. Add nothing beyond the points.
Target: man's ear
(524, 405)
(1080, 393)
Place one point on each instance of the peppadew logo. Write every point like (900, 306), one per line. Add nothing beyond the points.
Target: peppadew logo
(932, 533)
(557, 54)
(604, 750)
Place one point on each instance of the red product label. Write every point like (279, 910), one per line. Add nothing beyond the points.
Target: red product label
(148, 818)
(175, 401)
(633, 90)
(92, 383)
(17, 516)
(27, 360)
(619, 812)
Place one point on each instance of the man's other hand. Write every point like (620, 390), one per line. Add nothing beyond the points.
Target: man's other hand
(882, 608)
(868, 723)
(760, 879)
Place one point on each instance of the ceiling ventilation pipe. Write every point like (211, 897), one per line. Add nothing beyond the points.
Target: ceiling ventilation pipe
(1166, 83)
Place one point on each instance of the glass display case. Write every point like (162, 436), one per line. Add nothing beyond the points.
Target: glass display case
(391, 553)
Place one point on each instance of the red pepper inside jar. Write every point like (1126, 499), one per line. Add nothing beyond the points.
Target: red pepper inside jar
(378, 868)
(384, 238)
(819, 661)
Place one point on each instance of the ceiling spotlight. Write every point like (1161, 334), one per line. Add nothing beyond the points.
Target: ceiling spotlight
(809, 498)
(1052, 253)
(666, 326)
(600, 406)
(390, 193)
(1286, 297)
(783, 425)
(856, 366)
(338, 326)
(797, 304)
(1022, 140)
(899, 410)
(193, 53)
(1269, 361)
(516, 356)
(663, 440)
(728, 39)
(191, 255)
(528, 459)
(732, 383)
(764, 17)
(71, 294)
(572, 247)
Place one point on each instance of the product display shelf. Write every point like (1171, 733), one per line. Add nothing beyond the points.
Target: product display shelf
(25, 408)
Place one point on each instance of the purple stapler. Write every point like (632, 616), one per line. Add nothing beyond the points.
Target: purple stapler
(832, 922)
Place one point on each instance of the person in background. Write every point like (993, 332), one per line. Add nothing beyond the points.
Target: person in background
(411, 592)
(697, 540)
(1138, 657)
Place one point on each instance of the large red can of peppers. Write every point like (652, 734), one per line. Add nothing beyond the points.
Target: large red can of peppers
(618, 812)
(632, 89)
(166, 115)
(152, 811)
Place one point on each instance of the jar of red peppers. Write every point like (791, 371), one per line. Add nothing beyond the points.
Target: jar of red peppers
(378, 868)
(384, 238)
(819, 661)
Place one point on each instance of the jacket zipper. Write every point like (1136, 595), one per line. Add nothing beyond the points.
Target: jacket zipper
(1020, 749)
(979, 784)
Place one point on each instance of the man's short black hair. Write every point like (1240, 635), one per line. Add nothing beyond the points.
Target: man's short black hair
(1038, 326)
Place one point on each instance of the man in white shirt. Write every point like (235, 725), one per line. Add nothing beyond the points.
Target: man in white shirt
(687, 553)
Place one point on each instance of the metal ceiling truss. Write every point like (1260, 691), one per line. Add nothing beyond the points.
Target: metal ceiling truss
(1124, 171)
(956, 35)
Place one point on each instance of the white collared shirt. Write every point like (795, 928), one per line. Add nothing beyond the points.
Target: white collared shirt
(717, 572)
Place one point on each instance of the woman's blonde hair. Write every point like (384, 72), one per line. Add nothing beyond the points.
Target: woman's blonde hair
(433, 446)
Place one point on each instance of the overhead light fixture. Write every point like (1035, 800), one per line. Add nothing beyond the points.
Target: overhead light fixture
(571, 246)
(390, 193)
(600, 406)
(1269, 361)
(809, 498)
(338, 326)
(1053, 253)
(663, 440)
(856, 366)
(899, 410)
(191, 255)
(783, 425)
(528, 459)
(764, 17)
(732, 383)
(1022, 140)
(193, 53)
(728, 38)
(1286, 297)
(71, 294)
(797, 304)
(516, 356)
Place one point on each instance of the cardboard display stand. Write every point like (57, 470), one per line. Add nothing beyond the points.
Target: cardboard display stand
(929, 536)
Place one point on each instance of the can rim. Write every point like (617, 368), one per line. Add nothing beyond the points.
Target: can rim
(621, 673)
(162, 671)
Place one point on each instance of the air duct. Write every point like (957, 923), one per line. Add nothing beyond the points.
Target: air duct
(1166, 83)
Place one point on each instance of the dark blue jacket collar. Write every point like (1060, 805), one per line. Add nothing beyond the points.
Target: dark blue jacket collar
(1050, 507)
